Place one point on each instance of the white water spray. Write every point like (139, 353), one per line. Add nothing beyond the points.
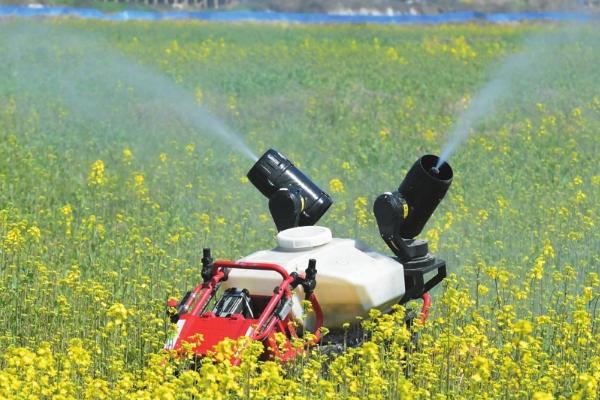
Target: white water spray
(99, 83)
(535, 67)
(485, 99)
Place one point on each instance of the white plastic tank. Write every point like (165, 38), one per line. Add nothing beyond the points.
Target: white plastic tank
(351, 277)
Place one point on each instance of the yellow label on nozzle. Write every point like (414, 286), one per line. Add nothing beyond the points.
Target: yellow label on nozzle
(405, 210)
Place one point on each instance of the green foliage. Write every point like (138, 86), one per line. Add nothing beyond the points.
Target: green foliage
(106, 200)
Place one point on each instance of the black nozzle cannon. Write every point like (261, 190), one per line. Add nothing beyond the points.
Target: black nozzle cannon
(402, 214)
(423, 188)
(294, 200)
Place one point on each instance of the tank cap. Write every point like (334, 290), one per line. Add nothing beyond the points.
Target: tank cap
(303, 237)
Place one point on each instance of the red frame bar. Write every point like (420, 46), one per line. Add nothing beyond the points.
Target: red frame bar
(283, 289)
(426, 306)
(267, 323)
(261, 333)
(252, 265)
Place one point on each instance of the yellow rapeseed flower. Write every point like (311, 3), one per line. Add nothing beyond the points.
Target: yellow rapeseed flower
(35, 233)
(127, 155)
(384, 133)
(336, 186)
(96, 176)
(117, 313)
(13, 239)
(523, 327)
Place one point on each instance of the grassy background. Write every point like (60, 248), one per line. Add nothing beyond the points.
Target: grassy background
(356, 104)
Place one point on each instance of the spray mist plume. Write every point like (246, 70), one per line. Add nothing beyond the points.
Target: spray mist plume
(519, 77)
(97, 83)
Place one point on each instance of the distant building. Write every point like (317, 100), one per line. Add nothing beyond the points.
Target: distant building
(180, 3)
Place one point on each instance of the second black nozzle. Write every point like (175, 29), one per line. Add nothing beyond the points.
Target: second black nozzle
(404, 212)
(423, 188)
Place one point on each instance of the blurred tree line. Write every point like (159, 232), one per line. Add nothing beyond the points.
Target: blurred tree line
(380, 6)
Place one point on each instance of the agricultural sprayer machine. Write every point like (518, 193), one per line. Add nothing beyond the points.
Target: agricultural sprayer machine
(261, 295)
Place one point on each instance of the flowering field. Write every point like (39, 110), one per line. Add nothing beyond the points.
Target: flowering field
(109, 189)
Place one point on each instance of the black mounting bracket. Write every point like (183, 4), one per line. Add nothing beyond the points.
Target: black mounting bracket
(286, 205)
(309, 281)
(207, 265)
(414, 277)
(208, 269)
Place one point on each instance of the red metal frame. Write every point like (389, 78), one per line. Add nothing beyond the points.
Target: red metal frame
(426, 306)
(264, 328)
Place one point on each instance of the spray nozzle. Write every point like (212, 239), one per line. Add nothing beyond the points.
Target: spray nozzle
(402, 214)
(294, 200)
